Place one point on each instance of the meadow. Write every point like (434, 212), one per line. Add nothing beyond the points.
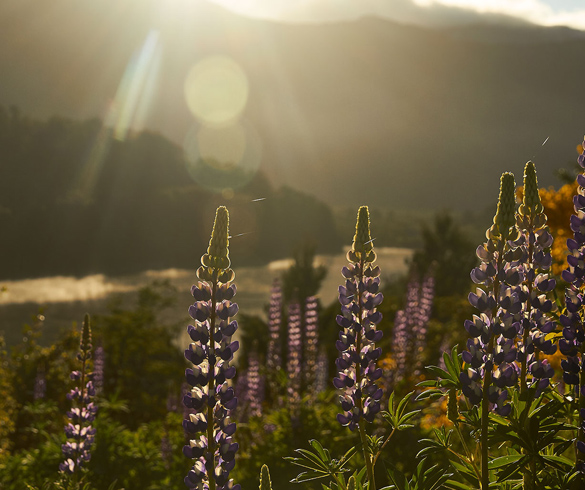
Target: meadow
(416, 384)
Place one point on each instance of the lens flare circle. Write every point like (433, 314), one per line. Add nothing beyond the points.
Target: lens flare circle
(216, 90)
(226, 145)
(223, 158)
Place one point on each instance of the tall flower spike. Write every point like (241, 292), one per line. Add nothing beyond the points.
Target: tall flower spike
(491, 352)
(534, 261)
(211, 397)
(255, 383)
(423, 315)
(322, 372)
(40, 388)
(274, 361)
(357, 376)
(572, 345)
(79, 432)
(311, 341)
(295, 349)
(99, 362)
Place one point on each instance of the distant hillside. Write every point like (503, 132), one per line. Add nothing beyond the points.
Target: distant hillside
(137, 209)
(367, 112)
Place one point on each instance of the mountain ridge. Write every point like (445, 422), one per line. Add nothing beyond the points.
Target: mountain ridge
(364, 111)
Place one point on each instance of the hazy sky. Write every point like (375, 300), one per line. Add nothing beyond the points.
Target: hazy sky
(544, 12)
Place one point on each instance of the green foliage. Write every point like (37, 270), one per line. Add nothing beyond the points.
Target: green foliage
(317, 463)
(141, 356)
(113, 211)
(7, 402)
(424, 478)
(447, 249)
(396, 417)
(303, 278)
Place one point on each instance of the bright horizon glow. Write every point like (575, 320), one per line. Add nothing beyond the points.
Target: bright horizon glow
(539, 12)
(569, 13)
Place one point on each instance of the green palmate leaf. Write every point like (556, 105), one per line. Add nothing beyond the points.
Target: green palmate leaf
(395, 416)
(307, 476)
(431, 394)
(453, 364)
(559, 462)
(509, 471)
(427, 451)
(315, 458)
(438, 372)
(466, 471)
(438, 481)
(504, 461)
(346, 457)
(323, 453)
(562, 447)
(398, 478)
(455, 485)
(319, 463)
(360, 477)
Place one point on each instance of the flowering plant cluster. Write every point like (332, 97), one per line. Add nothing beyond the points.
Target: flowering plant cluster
(359, 319)
(79, 431)
(572, 344)
(210, 429)
(505, 373)
(507, 421)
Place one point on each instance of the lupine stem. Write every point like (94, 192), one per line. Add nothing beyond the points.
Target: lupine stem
(526, 333)
(358, 376)
(580, 394)
(367, 457)
(211, 352)
(211, 386)
(357, 369)
(469, 458)
(485, 480)
(375, 458)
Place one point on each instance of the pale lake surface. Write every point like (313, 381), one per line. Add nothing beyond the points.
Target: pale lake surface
(64, 300)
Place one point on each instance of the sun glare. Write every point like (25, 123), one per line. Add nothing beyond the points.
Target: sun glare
(216, 90)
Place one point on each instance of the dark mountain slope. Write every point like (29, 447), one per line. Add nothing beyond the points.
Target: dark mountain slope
(360, 112)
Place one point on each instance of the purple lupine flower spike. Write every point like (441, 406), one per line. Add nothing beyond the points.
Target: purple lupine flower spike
(99, 362)
(295, 347)
(409, 330)
(212, 398)
(311, 341)
(423, 315)
(534, 262)
(274, 360)
(491, 350)
(321, 372)
(400, 337)
(572, 345)
(357, 376)
(79, 431)
(255, 384)
(40, 388)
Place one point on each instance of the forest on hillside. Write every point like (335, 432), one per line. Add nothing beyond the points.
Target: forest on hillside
(76, 201)
(134, 206)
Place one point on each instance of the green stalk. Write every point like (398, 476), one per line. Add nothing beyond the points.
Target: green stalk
(211, 386)
(358, 375)
(485, 480)
(528, 476)
(469, 458)
(580, 432)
